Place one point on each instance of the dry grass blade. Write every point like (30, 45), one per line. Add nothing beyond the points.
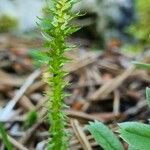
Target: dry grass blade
(82, 115)
(6, 79)
(133, 110)
(109, 87)
(26, 103)
(30, 132)
(82, 63)
(9, 107)
(81, 135)
(116, 103)
(16, 144)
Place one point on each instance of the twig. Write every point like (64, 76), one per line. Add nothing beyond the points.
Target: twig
(82, 115)
(134, 110)
(82, 63)
(16, 143)
(29, 133)
(116, 103)
(107, 88)
(9, 107)
(80, 135)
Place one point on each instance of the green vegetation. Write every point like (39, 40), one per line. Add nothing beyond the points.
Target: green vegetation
(55, 29)
(148, 96)
(104, 136)
(136, 134)
(38, 57)
(3, 136)
(142, 65)
(31, 118)
(7, 23)
(141, 29)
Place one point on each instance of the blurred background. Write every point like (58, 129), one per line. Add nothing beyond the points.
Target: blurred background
(125, 22)
(105, 84)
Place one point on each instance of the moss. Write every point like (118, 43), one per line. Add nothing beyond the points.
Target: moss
(7, 23)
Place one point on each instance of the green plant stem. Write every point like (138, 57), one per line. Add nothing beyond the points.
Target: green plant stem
(56, 28)
(56, 116)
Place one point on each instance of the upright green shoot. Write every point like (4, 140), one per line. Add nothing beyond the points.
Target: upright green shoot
(56, 28)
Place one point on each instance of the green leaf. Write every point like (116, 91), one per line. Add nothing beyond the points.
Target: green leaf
(142, 65)
(148, 95)
(39, 57)
(104, 136)
(31, 118)
(132, 148)
(136, 134)
(4, 137)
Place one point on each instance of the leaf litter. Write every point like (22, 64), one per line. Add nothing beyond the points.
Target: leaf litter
(105, 86)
